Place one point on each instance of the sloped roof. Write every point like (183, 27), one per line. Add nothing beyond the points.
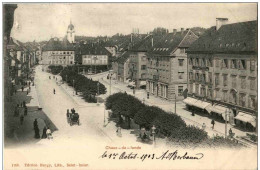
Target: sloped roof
(230, 38)
(94, 49)
(15, 44)
(146, 43)
(122, 58)
(169, 42)
(54, 44)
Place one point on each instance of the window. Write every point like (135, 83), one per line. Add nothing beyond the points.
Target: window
(217, 62)
(180, 90)
(203, 62)
(234, 82)
(234, 64)
(202, 91)
(180, 74)
(143, 67)
(209, 77)
(242, 64)
(225, 63)
(242, 100)
(197, 76)
(209, 62)
(217, 79)
(68, 52)
(252, 65)
(233, 97)
(225, 80)
(252, 102)
(243, 83)
(252, 84)
(217, 94)
(180, 62)
(197, 89)
(190, 75)
(203, 78)
(196, 62)
(225, 96)
(64, 52)
(190, 61)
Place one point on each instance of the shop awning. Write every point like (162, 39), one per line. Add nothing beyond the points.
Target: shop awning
(218, 109)
(201, 104)
(143, 83)
(189, 101)
(246, 118)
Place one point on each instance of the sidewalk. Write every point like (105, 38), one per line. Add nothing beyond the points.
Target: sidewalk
(17, 134)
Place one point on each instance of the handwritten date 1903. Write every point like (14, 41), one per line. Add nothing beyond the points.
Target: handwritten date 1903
(167, 155)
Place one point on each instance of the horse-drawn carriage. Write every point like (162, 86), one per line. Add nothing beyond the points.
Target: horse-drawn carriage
(73, 118)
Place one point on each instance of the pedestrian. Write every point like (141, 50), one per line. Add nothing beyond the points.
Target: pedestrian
(22, 88)
(24, 104)
(37, 132)
(49, 77)
(147, 95)
(213, 123)
(230, 133)
(35, 124)
(25, 111)
(44, 133)
(48, 132)
(15, 91)
(192, 113)
(29, 88)
(203, 126)
(53, 91)
(21, 104)
(27, 92)
(29, 83)
(68, 112)
(21, 119)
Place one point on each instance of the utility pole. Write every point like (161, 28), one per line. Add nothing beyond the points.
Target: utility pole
(226, 123)
(110, 84)
(175, 103)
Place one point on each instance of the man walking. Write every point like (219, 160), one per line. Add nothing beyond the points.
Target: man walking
(213, 123)
(21, 119)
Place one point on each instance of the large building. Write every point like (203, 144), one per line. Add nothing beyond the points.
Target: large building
(95, 54)
(58, 52)
(222, 68)
(167, 64)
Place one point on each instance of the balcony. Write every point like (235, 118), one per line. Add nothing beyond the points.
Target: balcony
(202, 68)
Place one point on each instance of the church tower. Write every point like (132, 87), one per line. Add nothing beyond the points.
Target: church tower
(71, 33)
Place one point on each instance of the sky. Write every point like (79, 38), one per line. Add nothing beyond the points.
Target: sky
(41, 21)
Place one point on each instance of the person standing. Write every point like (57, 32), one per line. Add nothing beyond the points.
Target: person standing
(203, 126)
(22, 88)
(24, 104)
(48, 132)
(37, 132)
(35, 124)
(44, 133)
(53, 91)
(213, 123)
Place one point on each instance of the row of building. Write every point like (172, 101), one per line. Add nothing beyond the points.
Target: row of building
(215, 73)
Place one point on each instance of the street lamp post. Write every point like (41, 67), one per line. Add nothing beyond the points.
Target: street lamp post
(98, 92)
(175, 103)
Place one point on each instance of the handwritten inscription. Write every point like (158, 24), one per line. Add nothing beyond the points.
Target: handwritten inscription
(167, 155)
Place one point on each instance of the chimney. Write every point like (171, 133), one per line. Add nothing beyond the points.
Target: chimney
(220, 22)
(182, 30)
(174, 31)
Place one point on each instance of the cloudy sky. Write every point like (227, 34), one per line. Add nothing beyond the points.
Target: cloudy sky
(43, 21)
